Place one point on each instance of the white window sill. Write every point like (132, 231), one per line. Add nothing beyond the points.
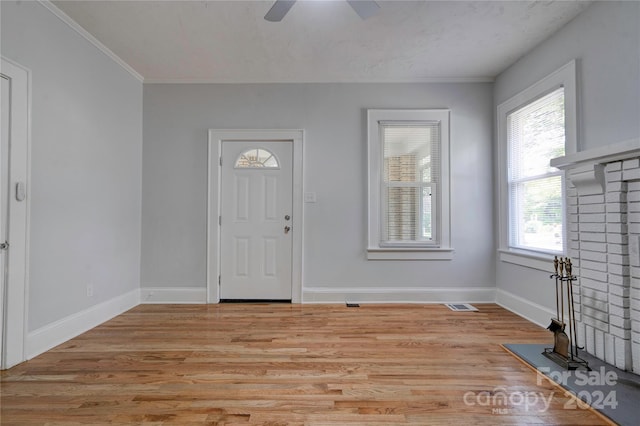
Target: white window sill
(409, 253)
(528, 259)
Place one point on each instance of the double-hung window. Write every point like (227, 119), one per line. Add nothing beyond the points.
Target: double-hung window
(534, 127)
(408, 184)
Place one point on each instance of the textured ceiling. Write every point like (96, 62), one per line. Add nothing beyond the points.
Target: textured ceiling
(320, 41)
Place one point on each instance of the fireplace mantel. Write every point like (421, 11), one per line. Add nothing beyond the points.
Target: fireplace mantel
(601, 155)
(585, 169)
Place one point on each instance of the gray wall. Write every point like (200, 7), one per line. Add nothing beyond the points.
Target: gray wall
(86, 157)
(605, 40)
(176, 120)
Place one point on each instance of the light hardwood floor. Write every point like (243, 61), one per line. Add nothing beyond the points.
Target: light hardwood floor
(280, 364)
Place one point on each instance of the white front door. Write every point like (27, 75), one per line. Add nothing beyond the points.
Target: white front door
(256, 220)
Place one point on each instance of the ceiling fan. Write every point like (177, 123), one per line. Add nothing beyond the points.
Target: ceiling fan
(364, 8)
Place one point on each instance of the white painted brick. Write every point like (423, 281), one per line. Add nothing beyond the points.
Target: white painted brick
(594, 303)
(616, 207)
(609, 349)
(633, 207)
(592, 218)
(635, 349)
(618, 279)
(634, 250)
(618, 269)
(575, 254)
(621, 323)
(596, 323)
(634, 228)
(595, 285)
(617, 238)
(592, 199)
(619, 290)
(589, 342)
(598, 338)
(618, 312)
(634, 186)
(631, 174)
(593, 256)
(620, 333)
(620, 301)
(596, 308)
(580, 333)
(616, 218)
(574, 245)
(635, 327)
(621, 249)
(572, 192)
(633, 217)
(634, 293)
(593, 236)
(614, 176)
(593, 266)
(635, 336)
(619, 259)
(591, 208)
(634, 271)
(617, 187)
(594, 275)
(573, 209)
(633, 196)
(612, 167)
(574, 227)
(616, 197)
(591, 246)
(593, 227)
(632, 163)
(617, 228)
(623, 353)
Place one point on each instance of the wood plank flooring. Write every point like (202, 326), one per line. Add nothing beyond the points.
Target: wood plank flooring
(280, 364)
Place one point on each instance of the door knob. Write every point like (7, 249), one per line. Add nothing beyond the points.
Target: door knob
(4, 246)
(287, 229)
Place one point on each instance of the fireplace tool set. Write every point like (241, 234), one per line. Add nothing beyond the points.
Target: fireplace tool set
(565, 348)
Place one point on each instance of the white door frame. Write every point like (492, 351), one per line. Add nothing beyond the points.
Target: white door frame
(14, 309)
(216, 137)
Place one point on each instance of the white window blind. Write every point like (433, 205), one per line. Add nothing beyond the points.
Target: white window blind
(410, 182)
(535, 135)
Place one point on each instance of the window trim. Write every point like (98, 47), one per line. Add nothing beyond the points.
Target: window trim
(407, 251)
(563, 77)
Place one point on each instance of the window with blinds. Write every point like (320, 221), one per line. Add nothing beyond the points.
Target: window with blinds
(535, 135)
(410, 180)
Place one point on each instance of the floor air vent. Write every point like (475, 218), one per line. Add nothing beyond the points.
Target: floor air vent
(461, 307)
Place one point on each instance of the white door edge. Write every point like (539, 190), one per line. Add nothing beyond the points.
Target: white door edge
(15, 309)
(216, 137)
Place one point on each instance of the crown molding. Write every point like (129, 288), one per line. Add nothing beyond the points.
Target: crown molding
(91, 39)
(426, 80)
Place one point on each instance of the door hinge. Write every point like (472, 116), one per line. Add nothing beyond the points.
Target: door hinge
(221, 161)
(219, 280)
(220, 220)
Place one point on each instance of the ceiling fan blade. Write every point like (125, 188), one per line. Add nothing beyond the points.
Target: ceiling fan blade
(364, 8)
(279, 10)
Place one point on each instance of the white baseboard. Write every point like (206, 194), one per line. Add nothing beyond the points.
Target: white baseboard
(398, 295)
(58, 332)
(150, 295)
(528, 310)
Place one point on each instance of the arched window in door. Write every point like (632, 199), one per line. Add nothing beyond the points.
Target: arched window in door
(257, 159)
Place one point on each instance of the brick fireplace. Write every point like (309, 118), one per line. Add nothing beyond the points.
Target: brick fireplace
(603, 233)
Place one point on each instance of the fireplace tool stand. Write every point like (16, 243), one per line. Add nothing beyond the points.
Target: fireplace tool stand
(565, 348)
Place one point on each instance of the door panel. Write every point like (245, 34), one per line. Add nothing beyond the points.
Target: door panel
(256, 206)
